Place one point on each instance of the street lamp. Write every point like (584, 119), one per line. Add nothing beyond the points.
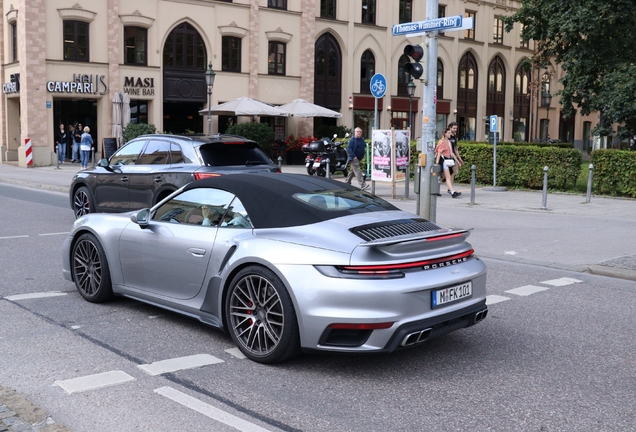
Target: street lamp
(209, 80)
(546, 100)
(410, 88)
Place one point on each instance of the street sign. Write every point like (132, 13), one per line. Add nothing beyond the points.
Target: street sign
(439, 24)
(467, 24)
(493, 137)
(493, 123)
(378, 85)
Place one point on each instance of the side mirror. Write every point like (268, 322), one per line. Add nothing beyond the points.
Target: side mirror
(141, 218)
(102, 163)
(347, 135)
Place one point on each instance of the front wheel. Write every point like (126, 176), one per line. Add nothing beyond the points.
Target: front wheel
(82, 202)
(310, 169)
(321, 171)
(90, 269)
(261, 317)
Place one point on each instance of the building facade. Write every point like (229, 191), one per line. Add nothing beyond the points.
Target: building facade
(67, 61)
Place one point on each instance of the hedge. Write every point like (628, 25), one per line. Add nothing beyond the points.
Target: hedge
(614, 172)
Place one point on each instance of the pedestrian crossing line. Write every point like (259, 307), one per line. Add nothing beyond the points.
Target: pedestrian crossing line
(236, 353)
(208, 410)
(179, 363)
(91, 382)
(30, 296)
(527, 290)
(492, 299)
(561, 281)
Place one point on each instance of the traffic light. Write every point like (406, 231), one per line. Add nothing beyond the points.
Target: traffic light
(419, 54)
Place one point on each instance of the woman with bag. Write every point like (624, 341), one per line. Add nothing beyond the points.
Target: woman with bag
(444, 156)
(85, 147)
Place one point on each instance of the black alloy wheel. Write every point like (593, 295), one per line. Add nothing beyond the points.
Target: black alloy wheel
(90, 269)
(261, 317)
(82, 202)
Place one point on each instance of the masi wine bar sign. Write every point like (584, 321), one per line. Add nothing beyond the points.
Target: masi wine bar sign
(139, 86)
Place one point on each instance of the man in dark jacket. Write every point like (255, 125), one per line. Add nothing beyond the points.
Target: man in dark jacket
(356, 150)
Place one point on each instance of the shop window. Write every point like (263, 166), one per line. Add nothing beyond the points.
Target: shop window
(276, 59)
(139, 111)
(367, 70)
(328, 9)
(136, 45)
(76, 41)
(368, 11)
(277, 4)
(470, 33)
(406, 11)
(231, 54)
(14, 42)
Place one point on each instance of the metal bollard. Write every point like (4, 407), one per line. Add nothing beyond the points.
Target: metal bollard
(588, 197)
(93, 156)
(545, 188)
(473, 168)
(407, 186)
(328, 173)
(280, 163)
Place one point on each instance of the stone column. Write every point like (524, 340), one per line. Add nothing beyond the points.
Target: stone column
(307, 58)
(253, 50)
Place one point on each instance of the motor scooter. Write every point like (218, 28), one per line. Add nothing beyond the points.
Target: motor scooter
(310, 157)
(337, 156)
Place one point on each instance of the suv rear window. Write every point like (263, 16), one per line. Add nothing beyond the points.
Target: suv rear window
(217, 154)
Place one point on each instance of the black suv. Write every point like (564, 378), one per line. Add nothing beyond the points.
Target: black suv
(150, 167)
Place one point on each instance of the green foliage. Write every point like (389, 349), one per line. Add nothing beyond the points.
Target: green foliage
(259, 132)
(133, 130)
(614, 172)
(520, 166)
(327, 131)
(593, 43)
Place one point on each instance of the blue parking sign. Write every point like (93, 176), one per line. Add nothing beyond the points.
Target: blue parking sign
(493, 123)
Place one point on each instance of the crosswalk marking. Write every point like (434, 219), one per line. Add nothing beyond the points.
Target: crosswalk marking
(34, 295)
(492, 299)
(561, 281)
(236, 353)
(179, 363)
(527, 290)
(96, 381)
(208, 410)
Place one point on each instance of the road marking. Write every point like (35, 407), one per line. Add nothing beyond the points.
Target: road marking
(14, 237)
(561, 281)
(208, 410)
(527, 290)
(92, 382)
(75, 327)
(53, 234)
(492, 299)
(180, 363)
(510, 253)
(35, 295)
(236, 353)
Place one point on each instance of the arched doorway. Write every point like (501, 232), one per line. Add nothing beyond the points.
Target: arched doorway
(328, 78)
(467, 97)
(496, 97)
(184, 88)
(521, 110)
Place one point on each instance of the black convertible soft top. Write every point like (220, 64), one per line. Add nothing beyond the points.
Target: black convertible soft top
(269, 197)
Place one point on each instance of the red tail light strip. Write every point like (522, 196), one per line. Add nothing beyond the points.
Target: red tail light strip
(403, 266)
(199, 176)
(444, 237)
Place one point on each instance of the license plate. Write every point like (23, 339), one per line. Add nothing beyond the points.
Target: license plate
(316, 164)
(452, 294)
(307, 164)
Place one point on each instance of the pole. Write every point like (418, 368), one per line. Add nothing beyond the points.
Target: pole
(209, 110)
(494, 158)
(375, 115)
(429, 115)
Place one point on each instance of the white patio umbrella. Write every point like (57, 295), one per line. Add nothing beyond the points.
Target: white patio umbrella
(125, 114)
(117, 98)
(245, 106)
(302, 108)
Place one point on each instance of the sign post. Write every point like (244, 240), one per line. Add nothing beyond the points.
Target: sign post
(493, 129)
(378, 89)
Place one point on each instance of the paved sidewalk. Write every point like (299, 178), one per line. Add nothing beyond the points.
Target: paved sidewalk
(598, 237)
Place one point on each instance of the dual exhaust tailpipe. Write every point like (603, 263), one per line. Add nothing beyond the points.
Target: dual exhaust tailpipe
(479, 316)
(416, 337)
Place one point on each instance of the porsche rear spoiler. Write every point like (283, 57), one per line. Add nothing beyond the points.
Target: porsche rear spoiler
(429, 236)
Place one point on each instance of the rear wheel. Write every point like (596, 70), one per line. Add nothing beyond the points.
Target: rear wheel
(82, 202)
(345, 172)
(310, 169)
(321, 171)
(90, 269)
(261, 317)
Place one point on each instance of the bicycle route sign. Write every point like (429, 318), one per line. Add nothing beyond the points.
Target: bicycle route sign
(378, 85)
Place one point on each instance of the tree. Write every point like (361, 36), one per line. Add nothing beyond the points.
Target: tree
(262, 133)
(133, 130)
(593, 42)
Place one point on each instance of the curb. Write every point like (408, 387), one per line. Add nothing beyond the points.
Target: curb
(18, 414)
(615, 272)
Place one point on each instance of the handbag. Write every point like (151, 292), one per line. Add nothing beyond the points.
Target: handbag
(449, 163)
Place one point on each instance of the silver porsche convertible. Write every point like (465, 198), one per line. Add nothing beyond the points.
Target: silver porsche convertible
(285, 263)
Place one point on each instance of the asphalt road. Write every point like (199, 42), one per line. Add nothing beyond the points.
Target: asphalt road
(554, 354)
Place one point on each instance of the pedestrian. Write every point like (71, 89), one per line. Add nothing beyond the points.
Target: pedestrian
(60, 141)
(86, 144)
(444, 156)
(355, 151)
(77, 137)
(455, 150)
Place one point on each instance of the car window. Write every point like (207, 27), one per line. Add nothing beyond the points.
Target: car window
(343, 199)
(155, 153)
(192, 207)
(176, 154)
(128, 154)
(232, 155)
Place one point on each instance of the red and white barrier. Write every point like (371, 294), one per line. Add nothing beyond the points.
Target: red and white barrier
(29, 151)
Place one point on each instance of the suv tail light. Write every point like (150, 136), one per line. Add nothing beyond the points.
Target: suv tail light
(202, 175)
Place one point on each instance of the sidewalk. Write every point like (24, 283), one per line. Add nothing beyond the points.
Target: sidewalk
(598, 237)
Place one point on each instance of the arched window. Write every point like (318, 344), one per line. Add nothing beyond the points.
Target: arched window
(440, 79)
(328, 72)
(521, 109)
(403, 76)
(467, 97)
(496, 88)
(367, 70)
(184, 48)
